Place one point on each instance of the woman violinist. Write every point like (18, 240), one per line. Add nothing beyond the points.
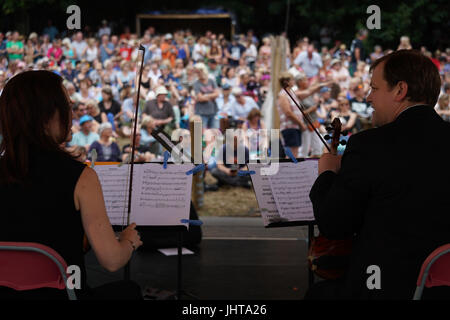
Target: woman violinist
(47, 196)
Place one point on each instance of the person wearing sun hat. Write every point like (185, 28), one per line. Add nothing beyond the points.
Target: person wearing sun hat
(225, 100)
(339, 74)
(161, 110)
(85, 137)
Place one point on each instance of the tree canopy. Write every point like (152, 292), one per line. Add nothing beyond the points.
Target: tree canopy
(426, 22)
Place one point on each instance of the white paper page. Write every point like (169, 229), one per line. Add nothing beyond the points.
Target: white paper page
(263, 192)
(114, 181)
(164, 195)
(174, 251)
(291, 187)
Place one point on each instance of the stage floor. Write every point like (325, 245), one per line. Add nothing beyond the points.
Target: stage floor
(237, 259)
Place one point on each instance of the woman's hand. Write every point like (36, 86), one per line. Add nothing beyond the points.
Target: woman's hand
(131, 235)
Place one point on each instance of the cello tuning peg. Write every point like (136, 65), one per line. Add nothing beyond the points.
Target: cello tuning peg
(329, 128)
(344, 133)
(343, 142)
(327, 137)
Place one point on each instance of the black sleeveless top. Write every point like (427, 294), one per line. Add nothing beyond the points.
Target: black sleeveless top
(44, 210)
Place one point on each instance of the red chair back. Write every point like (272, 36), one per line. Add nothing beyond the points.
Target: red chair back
(27, 266)
(435, 270)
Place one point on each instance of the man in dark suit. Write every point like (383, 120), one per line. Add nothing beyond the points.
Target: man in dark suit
(390, 188)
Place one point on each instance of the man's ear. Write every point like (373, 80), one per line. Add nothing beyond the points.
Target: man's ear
(401, 90)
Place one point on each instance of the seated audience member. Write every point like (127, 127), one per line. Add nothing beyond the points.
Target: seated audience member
(166, 74)
(86, 91)
(226, 171)
(128, 109)
(255, 138)
(225, 100)
(125, 76)
(109, 107)
(340, 74)
(94, 111)
(147, 140)
(240, 108)
(69, 73)
(345, 115)
(161, 110)
(107, 150)
(362, 108)
(141, 152)
(71, 91)
(326, 105)
(85, 137)
(79, 109)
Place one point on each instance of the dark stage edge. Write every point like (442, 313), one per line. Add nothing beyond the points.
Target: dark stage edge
(221, 270)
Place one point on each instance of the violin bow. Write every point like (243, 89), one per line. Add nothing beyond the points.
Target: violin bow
(133, 148)
(305, 115)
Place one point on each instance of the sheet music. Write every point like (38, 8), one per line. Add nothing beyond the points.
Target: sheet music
(291, 187)
(264, 197)
(160, 196)
(115, 191)
(163, 196)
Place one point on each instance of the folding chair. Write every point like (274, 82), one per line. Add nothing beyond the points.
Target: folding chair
(435, 271)
(28, 265)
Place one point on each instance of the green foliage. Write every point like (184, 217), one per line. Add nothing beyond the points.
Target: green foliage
(424, 21)
(13, 6)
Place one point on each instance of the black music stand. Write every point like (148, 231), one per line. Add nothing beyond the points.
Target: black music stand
(310, 225)
(180, 229)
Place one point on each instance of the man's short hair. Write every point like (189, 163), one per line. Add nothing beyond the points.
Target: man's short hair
(418, 71)
(77, 105)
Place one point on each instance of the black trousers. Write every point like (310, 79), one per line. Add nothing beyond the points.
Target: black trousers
(223, 178)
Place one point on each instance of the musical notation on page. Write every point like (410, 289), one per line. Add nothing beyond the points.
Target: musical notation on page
(161, 197)
(291, 187)
(164, 195)
(114, 182)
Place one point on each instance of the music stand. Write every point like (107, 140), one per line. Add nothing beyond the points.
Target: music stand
(282, 224)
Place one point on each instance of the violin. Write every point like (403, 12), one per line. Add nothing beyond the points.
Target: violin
(327, 258)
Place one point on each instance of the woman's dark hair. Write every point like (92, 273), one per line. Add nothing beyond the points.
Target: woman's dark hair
(227, 71)
(28, 102)
(417, 70)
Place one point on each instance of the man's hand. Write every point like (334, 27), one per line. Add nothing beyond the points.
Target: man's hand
(329, 161)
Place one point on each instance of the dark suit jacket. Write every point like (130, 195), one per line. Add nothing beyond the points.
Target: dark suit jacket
(392, 193)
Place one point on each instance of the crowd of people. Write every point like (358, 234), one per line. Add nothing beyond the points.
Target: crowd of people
(207, 77)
